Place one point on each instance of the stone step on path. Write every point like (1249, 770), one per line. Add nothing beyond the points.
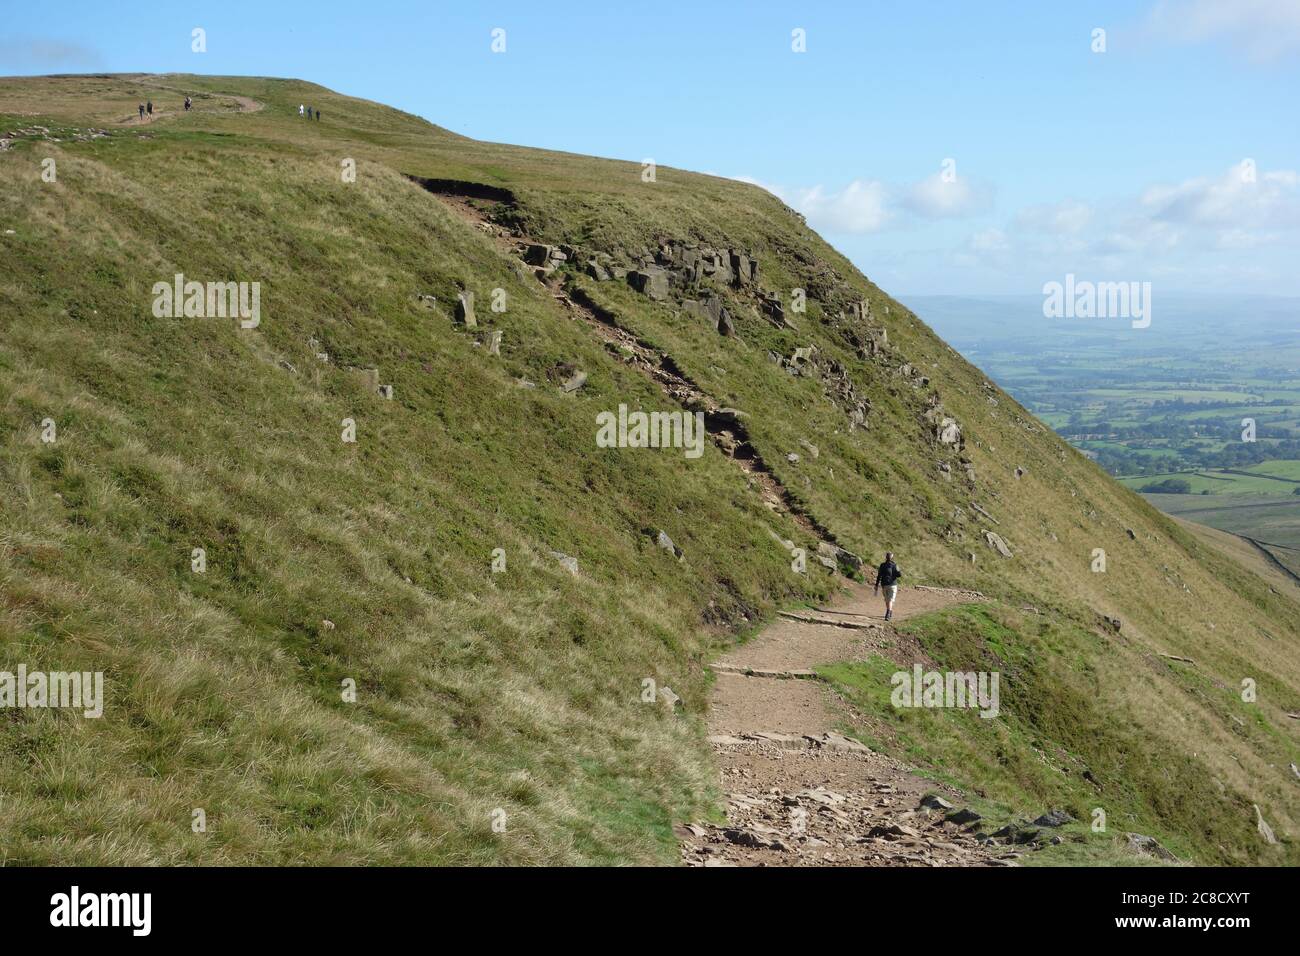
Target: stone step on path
(849, 622)
(722, 668)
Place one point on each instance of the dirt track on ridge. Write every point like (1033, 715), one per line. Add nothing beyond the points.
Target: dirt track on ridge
(799, 793)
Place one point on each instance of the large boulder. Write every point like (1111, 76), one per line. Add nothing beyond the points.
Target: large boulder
(741, 266)
(774, 310)
(719, 315)
(1054, 818)
(650, 281)
(859, 311)
(537, 254)
(712, 311)
(715, 265)
(839, 555)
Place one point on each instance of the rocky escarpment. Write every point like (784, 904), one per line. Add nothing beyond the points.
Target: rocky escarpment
(724, 288)
(720, 286)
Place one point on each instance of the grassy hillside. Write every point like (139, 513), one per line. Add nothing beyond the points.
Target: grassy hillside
(518, 690)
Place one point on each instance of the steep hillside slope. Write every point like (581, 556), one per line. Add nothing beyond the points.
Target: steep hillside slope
(500, 706)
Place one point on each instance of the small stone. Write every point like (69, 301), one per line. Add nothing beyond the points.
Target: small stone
(665, 542)
(997, 544)
(568, 562)
(465, 309)
(839, 743)
(1144, 844)
(1054, 818)
(666, 697)
(1264, 829)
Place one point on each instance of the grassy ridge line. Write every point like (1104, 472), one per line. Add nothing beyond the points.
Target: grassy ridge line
(259, 463)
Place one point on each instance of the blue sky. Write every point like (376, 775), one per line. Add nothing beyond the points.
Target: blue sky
(1171, 157)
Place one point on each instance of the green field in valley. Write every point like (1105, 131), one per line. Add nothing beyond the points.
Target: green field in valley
(1164, 408)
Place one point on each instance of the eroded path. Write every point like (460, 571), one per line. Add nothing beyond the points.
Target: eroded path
(225, 102)
(798, 792)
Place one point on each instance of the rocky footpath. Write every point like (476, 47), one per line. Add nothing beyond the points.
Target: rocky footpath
(799, 792)
(827, 800)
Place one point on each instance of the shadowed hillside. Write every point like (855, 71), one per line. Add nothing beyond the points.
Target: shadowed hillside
(433, 643)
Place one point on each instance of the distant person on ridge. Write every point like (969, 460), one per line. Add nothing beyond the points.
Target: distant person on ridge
(149, 108)
(299, 109)
(141, 111)
(188, 104)
(887, 576)
(318, 116)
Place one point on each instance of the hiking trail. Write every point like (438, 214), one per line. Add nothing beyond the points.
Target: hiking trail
(243, 104)
(799, 793)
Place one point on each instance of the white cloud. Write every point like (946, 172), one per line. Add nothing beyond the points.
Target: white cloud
(869, 205)
(1240, 225)
(860, 207)
(1262, 30)
(989, 241)
(1067, 218)
(1240, 198)
(948, 197)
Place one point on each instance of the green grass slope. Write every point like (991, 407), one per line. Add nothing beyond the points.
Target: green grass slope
(498, 717)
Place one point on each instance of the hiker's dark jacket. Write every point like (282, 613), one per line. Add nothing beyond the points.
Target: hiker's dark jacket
(888, 574)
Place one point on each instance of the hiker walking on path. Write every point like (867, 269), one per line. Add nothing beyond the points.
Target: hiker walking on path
(149, 108)
(188, 104)
(141, 111)
(887, 576)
